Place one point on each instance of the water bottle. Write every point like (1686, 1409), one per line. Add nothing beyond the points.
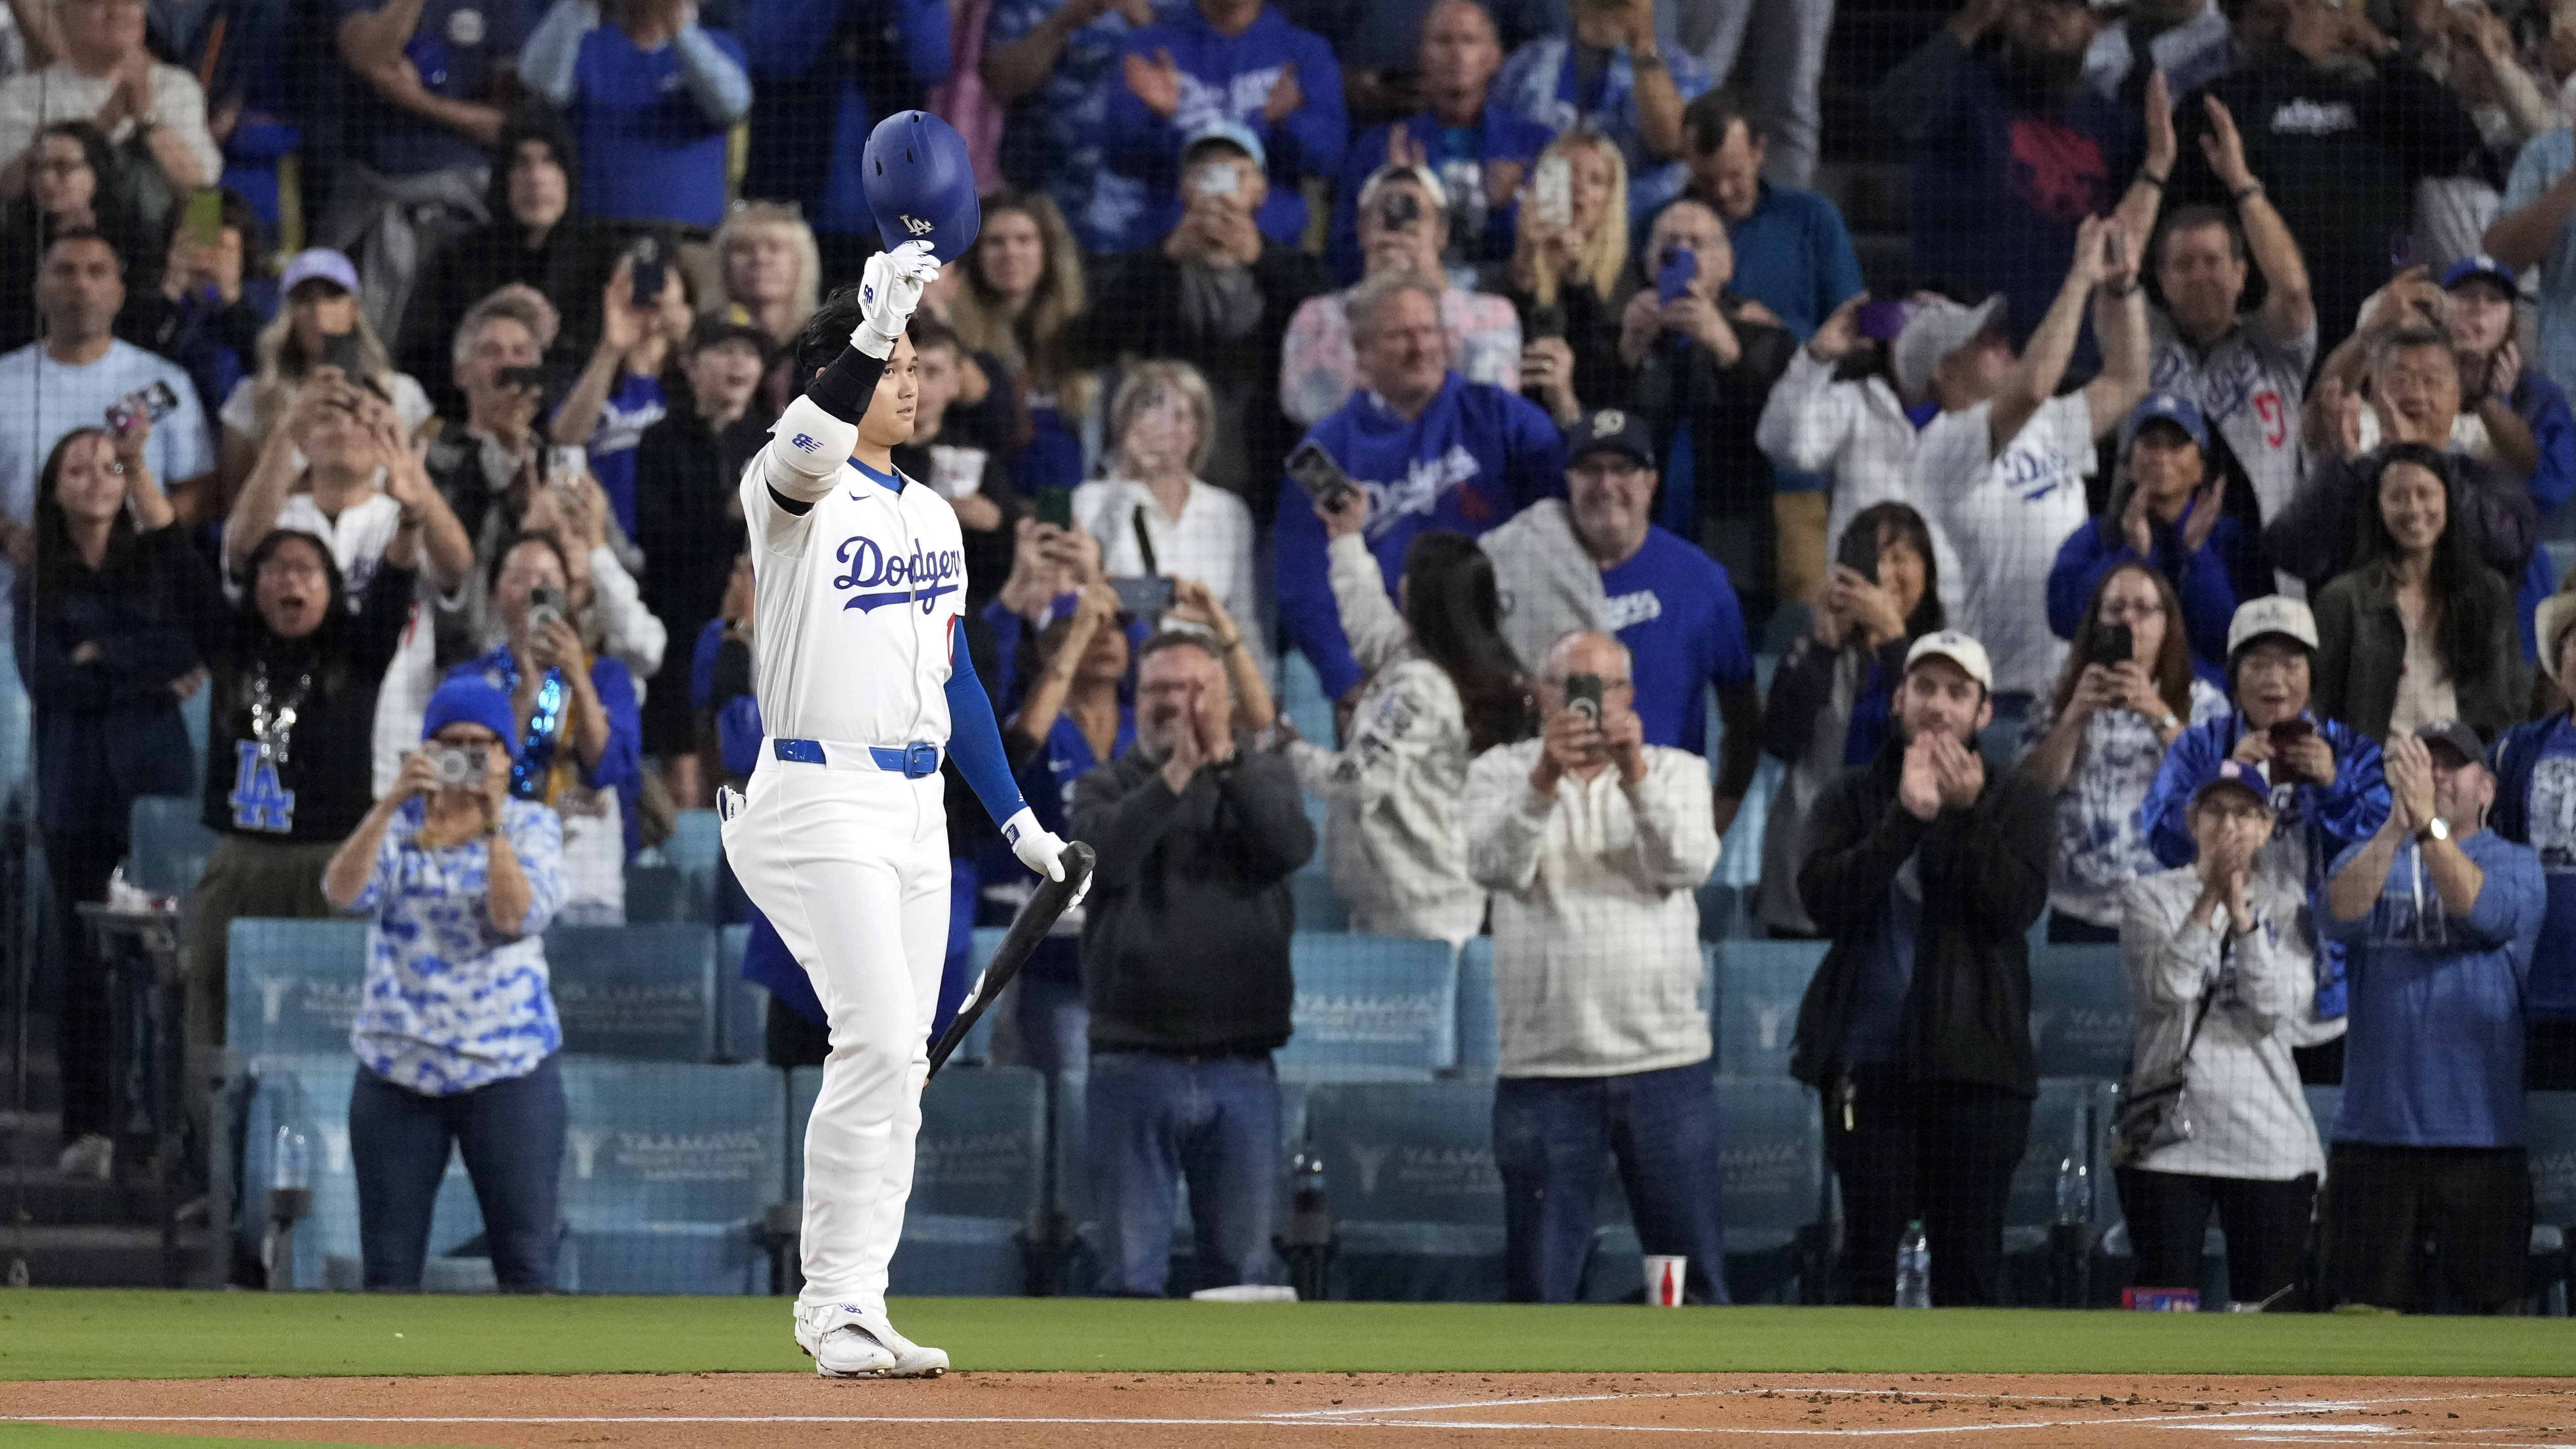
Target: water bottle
(1310, 1217)
(2074, 1192)
(1914, 1267)
(291, 1164)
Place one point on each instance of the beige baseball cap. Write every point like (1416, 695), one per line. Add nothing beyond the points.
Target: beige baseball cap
(1959, 649)
(2271, 614)
(2549, 623)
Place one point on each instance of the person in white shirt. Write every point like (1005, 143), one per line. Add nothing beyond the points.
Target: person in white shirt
(2003, 467)
(66, 381)
(1442, 688)
(1836, 411)
(2217, 963)
(1592, 842)
(338, 466)
(1154, 514)
(108, 78)
(840, 839)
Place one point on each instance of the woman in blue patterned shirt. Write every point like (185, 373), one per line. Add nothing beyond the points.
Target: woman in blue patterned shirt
(455, 1031)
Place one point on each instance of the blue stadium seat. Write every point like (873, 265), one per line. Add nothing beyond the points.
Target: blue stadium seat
(742, 1009)
(1319, 908)
(2552, 1152)
(293, 986)
(311, 1091)
(1479, 1030)
(639, 993)
(1417, 1207)
(1371, 1009)
(1301, 698)
(1724, 911)
(803, 1083)
(2056, 1120)
(1771, 1164)
(2323, 1104)
(1071, 1138)
(169, 844)
(667, 1169)
(1759, 985)
(975, 1188)
(659, 895)
(2081, 1023)
(696, 840)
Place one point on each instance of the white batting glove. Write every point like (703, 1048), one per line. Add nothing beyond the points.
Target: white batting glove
(889, 290)
(1040, 849)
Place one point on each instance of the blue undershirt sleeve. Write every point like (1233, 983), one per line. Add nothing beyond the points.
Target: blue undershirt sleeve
(975, 737)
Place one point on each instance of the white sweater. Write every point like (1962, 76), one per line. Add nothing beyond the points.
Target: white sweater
(1394, 843)
(1596, 932)
(1857, 434)
(2248, 1117)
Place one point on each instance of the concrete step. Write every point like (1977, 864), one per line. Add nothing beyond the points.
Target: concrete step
(45, 1195)
(94, 1256)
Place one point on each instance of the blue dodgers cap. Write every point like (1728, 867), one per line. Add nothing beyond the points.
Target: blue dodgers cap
(471, 700)
(1233, 133)
(920, 184)
(2166, 407)
(2481, 265)
(2239, 775)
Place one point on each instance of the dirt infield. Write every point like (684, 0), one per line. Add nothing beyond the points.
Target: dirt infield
(1043, 1411)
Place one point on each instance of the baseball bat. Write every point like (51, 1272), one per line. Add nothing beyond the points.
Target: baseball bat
(1028, 928)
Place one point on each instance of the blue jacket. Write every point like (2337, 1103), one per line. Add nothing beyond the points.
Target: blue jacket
(2093, 550)
(2333, 818)
(783, 39)
(1476, 456)
(2551, 992)
(1505, 137)
(1228, 78)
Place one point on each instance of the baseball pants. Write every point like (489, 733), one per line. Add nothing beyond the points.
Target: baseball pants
(850, 864)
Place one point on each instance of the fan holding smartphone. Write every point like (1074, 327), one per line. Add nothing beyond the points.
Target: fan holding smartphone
(2127, 693)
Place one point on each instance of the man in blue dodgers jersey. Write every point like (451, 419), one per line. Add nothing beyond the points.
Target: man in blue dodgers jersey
(1428, 447)
(1595, 562)
(840, 838)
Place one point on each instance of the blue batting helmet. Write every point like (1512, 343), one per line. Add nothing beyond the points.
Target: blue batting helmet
(921, 185)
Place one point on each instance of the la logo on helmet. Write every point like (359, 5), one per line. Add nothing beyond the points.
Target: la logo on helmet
(916, 225)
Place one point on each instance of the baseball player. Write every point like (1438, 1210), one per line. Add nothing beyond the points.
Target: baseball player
(864, 684)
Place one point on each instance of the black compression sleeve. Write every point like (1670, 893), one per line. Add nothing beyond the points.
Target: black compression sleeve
(847, 386)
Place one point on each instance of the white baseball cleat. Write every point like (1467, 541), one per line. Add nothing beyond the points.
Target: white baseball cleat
(846, 1343)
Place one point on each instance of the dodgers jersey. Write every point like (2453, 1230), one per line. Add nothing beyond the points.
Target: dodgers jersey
(857, 599)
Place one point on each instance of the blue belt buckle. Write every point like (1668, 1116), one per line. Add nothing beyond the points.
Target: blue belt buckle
(797, 752)
(911, 761)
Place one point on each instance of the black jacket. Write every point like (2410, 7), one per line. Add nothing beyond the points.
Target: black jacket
(1185, 948)
(1985, 880)
(107, 728)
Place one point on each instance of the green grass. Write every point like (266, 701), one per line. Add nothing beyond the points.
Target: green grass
(100, 1334)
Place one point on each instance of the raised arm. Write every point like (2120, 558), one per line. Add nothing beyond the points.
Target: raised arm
(2033, 380)
(2534, 214)
(2289, 308)
(2120, 320)
(2146, 196)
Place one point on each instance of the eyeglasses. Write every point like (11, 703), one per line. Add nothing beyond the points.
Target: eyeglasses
(2275, 667)
(2235, 813)
(2121, 613)
(290, 568)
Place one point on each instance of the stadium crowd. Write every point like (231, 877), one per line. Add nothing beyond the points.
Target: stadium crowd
(2163, 553)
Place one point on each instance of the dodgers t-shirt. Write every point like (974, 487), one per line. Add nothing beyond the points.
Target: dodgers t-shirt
(1674, 608)
(456, 47)
(634, 405)
(2549, 816)
(2006, 513)
(647, 152)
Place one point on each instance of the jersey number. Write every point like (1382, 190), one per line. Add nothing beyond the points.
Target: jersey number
(2267, 405)
(259, 802)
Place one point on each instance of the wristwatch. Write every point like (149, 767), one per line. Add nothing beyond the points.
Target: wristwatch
(2436, 828)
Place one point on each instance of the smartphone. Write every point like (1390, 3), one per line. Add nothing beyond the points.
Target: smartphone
(1218, 181)
(155, 402)
(1859, 552)
(1680, 266)
(1397, 210)
(565, 463)
(1583, 694)
(2285, 734)
(532, 379)
(545, 602)
(1321, 477)
(1552, 192)
(1055, 507)
(1145, 596)
(1881, 321)
(2112, 644)
(1544, 322)
(644, 268)
(345, 351)
(203, 222)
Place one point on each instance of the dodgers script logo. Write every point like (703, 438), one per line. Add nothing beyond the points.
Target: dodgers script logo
(917, 577)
